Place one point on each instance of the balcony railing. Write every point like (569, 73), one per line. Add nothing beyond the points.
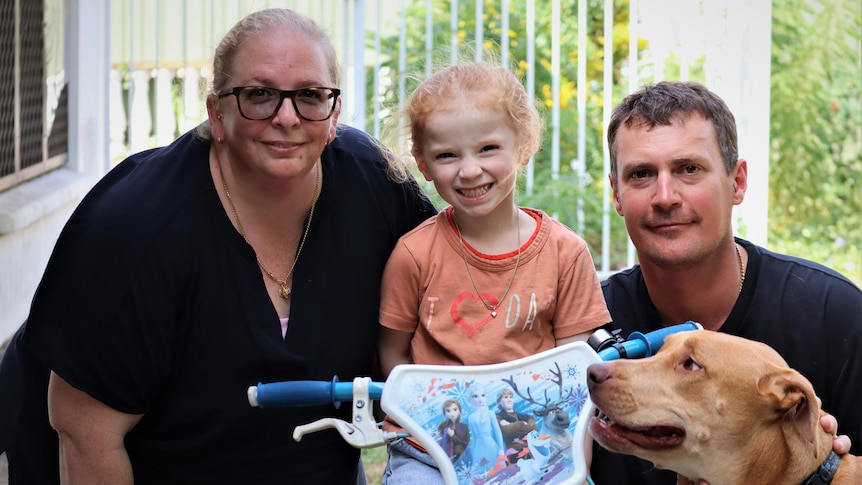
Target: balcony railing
(161, 73)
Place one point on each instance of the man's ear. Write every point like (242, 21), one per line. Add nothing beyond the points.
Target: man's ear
(740, 181)
(617, 204)
(792, 396)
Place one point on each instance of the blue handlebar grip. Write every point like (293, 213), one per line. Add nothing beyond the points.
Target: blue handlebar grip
(295, 393)
(641, 345)
(307, 393)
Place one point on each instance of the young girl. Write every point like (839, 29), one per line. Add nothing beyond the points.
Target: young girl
(454, 435)
(484, 281)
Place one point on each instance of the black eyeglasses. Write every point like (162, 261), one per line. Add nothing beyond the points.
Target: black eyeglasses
(262, 103)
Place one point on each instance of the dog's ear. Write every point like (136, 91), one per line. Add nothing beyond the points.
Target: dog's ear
(793, 397)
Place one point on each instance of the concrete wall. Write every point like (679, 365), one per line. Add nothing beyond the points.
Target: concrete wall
(25, 251)
(32, 214)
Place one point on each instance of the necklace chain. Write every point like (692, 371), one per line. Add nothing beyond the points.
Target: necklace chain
(741, 267)
(283, 289)
(490, 307)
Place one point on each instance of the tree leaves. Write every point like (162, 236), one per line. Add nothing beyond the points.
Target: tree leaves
(816, 132)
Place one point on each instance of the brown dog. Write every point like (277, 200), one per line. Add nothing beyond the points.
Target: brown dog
(715, 407)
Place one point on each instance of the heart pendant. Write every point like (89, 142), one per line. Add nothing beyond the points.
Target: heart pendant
(494, 314)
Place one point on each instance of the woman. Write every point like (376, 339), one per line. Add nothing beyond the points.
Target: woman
(249, 251)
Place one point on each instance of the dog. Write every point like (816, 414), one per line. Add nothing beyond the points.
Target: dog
(715, 407)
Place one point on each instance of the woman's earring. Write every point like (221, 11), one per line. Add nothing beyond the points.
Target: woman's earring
(219, 140)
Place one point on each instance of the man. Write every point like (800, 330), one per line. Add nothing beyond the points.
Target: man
(676, 176)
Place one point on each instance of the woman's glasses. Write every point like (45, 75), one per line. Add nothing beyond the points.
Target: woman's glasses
(261, 102)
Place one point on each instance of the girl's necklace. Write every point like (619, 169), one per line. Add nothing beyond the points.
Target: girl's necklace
(490, 307)
(283, 289)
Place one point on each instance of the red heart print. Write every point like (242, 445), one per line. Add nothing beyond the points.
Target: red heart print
(471, 329)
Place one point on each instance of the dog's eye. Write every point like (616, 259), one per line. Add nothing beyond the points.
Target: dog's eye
(690, 364)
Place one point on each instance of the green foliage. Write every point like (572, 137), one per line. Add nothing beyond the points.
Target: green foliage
(578, 204)
(815, 178)
(374, 462)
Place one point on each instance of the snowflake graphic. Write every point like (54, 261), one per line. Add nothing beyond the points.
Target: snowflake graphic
(466, 473)
(572, 371)
(418, 388)
(579, 398)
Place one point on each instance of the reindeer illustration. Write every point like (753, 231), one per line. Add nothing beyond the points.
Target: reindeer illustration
(555, 420)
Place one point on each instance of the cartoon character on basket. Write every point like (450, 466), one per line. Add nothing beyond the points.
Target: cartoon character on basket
(486, 446)
(515, 426)
(454, 435)
(554, 418)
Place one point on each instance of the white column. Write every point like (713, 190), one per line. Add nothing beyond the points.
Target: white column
(744, 85)
(87, 65)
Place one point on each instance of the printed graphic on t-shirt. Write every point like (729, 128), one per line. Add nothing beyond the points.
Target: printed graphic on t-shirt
(469, 312)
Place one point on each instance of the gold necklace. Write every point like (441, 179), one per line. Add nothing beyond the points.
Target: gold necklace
(283, 289)
(741, 267)
(490, 307)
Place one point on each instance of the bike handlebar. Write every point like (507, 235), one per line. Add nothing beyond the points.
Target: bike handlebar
(640, 345)
(308, 393)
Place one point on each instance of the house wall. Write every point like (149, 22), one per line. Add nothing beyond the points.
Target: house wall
(33, 213)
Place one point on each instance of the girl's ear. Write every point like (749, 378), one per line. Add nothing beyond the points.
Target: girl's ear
(422, 166)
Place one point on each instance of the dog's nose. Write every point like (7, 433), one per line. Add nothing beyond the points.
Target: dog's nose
(597, 373)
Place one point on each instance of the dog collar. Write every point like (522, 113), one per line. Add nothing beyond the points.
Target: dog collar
(824, 474)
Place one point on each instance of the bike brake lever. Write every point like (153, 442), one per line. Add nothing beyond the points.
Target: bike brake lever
(363, 432)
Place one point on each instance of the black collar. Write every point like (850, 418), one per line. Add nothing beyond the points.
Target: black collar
(824, 474)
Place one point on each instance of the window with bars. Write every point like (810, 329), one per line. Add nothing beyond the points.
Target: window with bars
(33, 99)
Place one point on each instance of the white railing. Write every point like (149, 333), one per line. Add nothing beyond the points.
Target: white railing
(161, 69)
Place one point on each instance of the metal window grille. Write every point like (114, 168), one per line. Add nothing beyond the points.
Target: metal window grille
(33, 131)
